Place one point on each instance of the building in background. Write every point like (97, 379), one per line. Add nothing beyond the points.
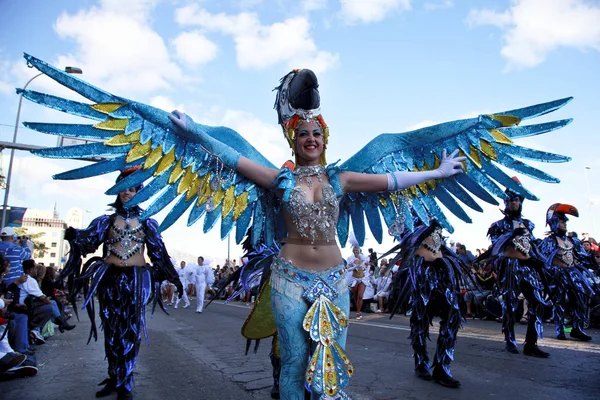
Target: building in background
(53, 228)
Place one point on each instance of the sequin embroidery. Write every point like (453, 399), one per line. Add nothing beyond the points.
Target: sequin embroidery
(314, 220)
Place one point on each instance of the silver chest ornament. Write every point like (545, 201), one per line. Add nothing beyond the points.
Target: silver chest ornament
(129, 242)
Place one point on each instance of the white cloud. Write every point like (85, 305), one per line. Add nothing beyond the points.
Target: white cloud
(166, 104)
(117, 47)
(354, 11)
(534, 28)
(194, 49)
(260, 46)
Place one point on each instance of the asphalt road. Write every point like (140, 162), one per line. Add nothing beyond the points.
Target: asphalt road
(201, 356)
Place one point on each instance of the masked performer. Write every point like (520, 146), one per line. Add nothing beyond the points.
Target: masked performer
(520, 269)
(569, 264)
(122, 280)
(432, 274)
(217, 173)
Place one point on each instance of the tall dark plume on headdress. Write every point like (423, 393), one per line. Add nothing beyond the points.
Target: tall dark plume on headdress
(298, 89)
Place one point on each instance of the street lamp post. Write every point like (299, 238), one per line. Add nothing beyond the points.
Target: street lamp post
(69, 70)
(587, 184)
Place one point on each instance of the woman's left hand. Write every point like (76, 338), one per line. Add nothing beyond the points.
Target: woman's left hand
(451, 165)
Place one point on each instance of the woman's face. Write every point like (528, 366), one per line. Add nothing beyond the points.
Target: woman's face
(309, 143)
(126, 195)
(355, 251)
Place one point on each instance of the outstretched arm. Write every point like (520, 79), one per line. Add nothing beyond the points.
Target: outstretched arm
(359, 182)
(259, 174)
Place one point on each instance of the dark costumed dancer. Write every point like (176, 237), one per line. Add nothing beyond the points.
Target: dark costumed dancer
(569, 264)
(432, 274)
(520, 269)
(122, 280)
(220, 176)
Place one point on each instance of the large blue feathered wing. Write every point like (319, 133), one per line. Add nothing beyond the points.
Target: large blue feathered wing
(174, 165)
(487, 141)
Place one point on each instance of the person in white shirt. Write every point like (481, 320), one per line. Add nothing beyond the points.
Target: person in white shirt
(384, 285)
(183, 277)
(201, 276)
(41, 307)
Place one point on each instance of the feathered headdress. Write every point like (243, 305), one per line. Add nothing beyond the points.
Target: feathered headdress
(298, 101)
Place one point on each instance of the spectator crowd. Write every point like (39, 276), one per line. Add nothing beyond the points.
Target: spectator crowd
(32, 304)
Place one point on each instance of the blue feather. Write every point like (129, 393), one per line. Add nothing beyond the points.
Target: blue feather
(505, 180)
(537, 110)
(242, 224)
(133, 180)
(523, 168)
(227, 225)
(58, 103)
(461, 194)
(82, 151)
(196, 213)
(444, 197)
(72, 130)
(155, 186)
(532, 154)
(358, 222)
(374, 220)
(176, 212)
(519, 132)
(468, 183)
(160, 202)
(436, 212)
(95, 169)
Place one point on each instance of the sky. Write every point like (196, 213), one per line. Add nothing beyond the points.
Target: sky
(383, 66)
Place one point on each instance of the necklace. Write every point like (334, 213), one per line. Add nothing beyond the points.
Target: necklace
(307, 172)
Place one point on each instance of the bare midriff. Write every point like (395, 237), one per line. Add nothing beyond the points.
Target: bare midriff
(514, 253)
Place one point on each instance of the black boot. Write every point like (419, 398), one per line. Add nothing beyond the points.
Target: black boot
(440, 376)
(561, 336)
(511, 347)
(579, 334)
(63, 325)
(422, 372)
(531, 349)
(109, 387)
(124, 394)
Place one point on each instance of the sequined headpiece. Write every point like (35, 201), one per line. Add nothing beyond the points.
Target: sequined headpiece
(298, 101)
(557, 212)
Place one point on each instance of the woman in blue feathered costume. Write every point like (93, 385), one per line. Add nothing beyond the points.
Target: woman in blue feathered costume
(568, 263)
(122, 280)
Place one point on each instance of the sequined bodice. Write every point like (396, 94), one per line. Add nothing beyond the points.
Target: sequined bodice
(125, 241)
(565, 252)
(316, 220)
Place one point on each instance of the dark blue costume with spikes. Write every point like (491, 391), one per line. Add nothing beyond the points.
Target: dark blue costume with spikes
(516, 276)
(571, 282)
(122, 291)
(434, 290)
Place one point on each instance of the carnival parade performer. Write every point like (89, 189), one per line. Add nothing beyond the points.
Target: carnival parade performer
(569, 264)
(182, 271)
(202, 276)
(217, 173)
(432, 275)
(358, 268)
(122, 280)
(520, 269)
